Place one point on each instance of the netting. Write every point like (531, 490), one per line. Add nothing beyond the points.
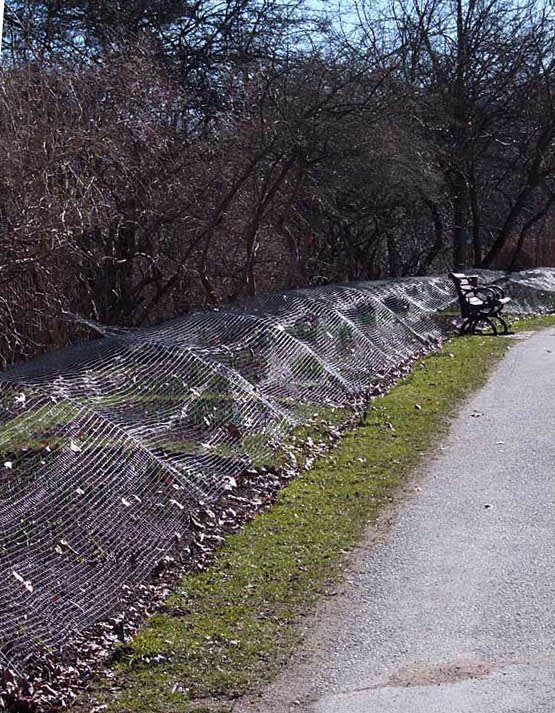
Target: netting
(108, 448)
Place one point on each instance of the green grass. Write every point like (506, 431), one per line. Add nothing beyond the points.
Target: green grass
(232, 628)
(522, 323)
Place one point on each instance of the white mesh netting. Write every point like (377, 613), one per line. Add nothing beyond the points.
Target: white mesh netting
(107, 448)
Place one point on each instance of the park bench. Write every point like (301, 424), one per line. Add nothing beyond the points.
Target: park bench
(480, 305)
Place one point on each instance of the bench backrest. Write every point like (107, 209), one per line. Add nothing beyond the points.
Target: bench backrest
(465, 286)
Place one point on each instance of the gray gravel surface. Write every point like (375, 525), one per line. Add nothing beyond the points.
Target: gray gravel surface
(452, 610)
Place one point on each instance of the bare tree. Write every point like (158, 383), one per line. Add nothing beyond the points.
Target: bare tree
(468, 68)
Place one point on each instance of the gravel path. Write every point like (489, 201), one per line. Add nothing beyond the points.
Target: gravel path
(452, 610)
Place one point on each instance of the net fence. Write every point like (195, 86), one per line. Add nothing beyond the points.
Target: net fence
(107, 449)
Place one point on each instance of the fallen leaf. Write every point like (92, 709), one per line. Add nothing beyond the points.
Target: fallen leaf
(25, 582)
(233, 431)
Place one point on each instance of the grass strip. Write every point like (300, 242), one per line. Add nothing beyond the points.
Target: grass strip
(232, 628)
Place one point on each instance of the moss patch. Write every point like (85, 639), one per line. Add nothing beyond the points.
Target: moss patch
(232, 628)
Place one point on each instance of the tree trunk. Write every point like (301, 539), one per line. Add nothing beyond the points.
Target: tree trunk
(476, 223)
(459, 228)
(460, 256)
(393, 256)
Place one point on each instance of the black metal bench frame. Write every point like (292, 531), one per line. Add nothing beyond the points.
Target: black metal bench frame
(480, 305)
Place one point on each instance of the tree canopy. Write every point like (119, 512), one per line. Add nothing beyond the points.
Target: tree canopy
(165, 155)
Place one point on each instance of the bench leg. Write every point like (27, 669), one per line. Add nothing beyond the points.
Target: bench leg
(470, 325)
(504, 324)
(465, 327)
(484, 320)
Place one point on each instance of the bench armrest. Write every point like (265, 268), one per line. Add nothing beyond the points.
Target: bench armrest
(488, 294)
(500, 292)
